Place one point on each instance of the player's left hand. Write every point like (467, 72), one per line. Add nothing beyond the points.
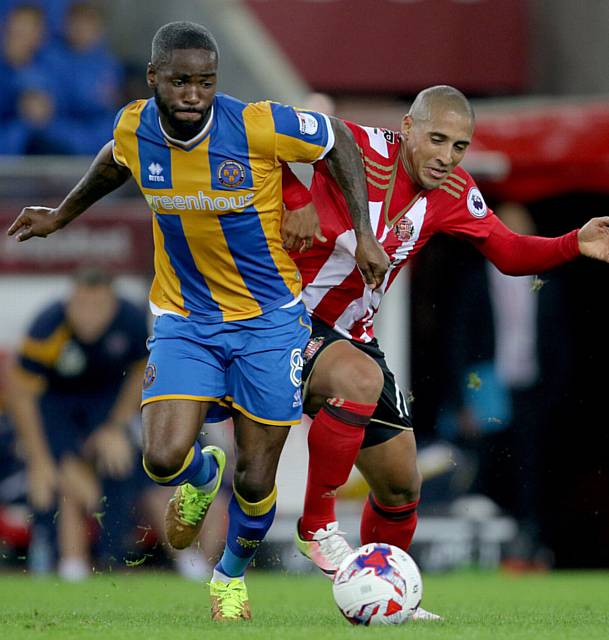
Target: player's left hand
(372, 260)
(593, 239)
(111, 450)
(300, 227)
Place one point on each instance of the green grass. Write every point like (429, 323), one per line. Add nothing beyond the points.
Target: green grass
(146, 605)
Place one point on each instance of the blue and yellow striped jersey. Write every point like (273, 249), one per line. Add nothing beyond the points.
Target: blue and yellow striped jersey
(217, 205)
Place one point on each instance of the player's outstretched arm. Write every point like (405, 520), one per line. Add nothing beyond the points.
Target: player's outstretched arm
(104, 175)
(593, 239)
(345, 165)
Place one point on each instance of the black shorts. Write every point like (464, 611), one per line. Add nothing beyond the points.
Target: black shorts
(391, 415)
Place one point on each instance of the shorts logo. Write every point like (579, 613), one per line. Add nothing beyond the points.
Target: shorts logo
(313, 346)
(149, 376)
(403, 229)
(231, 173)
(296, 365)
(297, 402)
(475, 203)
(307, 123)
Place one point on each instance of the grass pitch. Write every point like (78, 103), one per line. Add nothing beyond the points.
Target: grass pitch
(161, 606)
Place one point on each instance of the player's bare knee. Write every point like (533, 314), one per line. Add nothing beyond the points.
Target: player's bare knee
(164, 461)
(399, 491)
(360, 381)
(253, 485)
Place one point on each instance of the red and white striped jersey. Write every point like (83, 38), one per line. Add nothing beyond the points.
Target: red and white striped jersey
(403, 216)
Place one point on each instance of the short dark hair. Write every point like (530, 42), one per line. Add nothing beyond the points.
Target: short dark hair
(181, 35)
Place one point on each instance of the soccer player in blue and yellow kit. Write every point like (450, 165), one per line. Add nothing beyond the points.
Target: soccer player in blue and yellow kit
(230, 325)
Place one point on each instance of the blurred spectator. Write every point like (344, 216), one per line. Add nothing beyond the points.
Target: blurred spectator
(61, 95)
(73, 393)
(507, 347)
(88, 81)
(26, 101)
(53, 10)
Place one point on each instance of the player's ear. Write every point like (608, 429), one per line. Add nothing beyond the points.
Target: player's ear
(406, 125)
(151, 75)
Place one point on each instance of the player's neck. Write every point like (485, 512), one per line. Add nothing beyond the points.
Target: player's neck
(407, 168)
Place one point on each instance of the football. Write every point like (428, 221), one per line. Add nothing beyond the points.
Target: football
(377, 584)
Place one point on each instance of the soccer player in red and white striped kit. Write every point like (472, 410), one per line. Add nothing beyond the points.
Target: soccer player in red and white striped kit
(415, 189)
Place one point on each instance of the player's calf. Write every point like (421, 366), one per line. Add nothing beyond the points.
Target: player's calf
(199, 481)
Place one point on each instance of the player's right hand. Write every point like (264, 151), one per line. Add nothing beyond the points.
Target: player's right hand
(34, 221)
(372, 260)
(300, 228)
(42, 483)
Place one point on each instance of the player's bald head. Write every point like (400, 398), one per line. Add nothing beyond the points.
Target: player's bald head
(441, 97)
(181, 35)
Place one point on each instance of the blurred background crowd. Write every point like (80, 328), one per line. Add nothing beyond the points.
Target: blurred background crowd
(504, 374)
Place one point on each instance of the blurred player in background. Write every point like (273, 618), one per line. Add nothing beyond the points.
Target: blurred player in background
(415, 189)
(230, 324)
(72, 394)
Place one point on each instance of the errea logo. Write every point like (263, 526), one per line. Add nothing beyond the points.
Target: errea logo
(154, 172)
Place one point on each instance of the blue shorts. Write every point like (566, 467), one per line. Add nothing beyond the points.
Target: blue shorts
(253, 366)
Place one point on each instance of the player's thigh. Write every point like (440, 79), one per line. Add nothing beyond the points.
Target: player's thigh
(169, 429)
(342, 370)
(264, 377)
(258, 449)
(390, 468)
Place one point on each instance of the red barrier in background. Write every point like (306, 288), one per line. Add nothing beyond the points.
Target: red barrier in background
(550, 150)
(117, 236)
(361, 46)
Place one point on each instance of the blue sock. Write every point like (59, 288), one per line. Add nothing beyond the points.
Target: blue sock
(206, 473)
(248, 525)
(198, 469)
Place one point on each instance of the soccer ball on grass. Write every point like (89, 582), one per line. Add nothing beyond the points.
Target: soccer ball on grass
(377, 584)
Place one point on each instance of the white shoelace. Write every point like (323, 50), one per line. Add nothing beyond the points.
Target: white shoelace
(335, 547)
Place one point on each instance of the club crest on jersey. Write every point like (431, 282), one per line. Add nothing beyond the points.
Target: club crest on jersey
(231, 173)
(149, 376)
(475, 203)
(313, 346)
(403, 229)
(308, 124)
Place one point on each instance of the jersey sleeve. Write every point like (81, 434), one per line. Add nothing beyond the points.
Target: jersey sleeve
(465, 214)
(117, 148)
(300, 136)
(124, 136)
(512, 253)
(519, 255)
